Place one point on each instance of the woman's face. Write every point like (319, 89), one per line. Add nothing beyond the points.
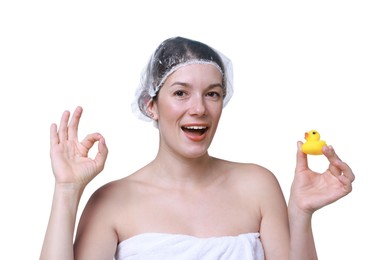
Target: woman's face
(188, 108)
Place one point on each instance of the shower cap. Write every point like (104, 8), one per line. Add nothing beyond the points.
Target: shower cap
(171, 55)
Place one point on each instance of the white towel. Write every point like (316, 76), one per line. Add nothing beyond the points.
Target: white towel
(160, 246)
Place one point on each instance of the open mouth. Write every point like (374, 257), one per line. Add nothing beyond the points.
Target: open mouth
(195, 130)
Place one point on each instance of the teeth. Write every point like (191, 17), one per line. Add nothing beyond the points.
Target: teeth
(195, 127)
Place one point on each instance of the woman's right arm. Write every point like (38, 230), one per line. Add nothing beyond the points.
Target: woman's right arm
(73, 170)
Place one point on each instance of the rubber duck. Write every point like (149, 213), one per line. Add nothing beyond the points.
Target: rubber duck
(313, 144)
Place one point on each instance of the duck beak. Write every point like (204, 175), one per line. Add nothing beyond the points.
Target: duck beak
(306, 135)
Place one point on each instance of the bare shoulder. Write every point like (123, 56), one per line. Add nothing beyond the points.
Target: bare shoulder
(257, 184)
(108, 204)
(114, 192)
(121, 198)
(104, 216)
(249, 174)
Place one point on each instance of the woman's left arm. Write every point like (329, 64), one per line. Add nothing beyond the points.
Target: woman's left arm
(311, 191)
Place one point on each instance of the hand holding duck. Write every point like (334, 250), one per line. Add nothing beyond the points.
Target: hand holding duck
(311, 190)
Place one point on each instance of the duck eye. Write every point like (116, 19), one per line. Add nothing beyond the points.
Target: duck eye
(314, 133)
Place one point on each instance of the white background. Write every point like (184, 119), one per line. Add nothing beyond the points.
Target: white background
(298, 65)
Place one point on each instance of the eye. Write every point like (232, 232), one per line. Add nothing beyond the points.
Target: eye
(214, 94)
(179, 93)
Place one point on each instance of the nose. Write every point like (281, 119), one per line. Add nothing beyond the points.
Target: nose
(197, 106)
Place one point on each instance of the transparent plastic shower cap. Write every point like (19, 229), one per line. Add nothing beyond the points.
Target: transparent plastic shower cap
(171, 55)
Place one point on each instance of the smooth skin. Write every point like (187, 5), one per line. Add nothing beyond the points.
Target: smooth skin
(183, 190)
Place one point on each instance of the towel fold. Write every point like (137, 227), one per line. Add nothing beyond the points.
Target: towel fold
(158, 246)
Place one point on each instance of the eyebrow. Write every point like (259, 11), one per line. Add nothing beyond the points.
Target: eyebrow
(213, 85)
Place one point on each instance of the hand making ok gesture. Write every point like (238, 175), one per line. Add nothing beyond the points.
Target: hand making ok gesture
(70, 162)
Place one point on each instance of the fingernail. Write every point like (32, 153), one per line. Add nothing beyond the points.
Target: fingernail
(330, 149)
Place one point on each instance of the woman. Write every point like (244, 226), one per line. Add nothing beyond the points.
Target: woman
(185, 204)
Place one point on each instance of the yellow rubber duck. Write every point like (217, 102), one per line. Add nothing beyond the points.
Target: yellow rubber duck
(313, 144)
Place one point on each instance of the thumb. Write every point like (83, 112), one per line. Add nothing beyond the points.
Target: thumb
(301, 163)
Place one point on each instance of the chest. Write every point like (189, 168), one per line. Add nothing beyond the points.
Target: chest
(205, 214)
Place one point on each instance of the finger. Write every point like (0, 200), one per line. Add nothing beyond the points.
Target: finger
(102, 154)
(337, 166)
(90, 139)
(346, 182)
(73, 124)
(346, 171)
(330, 153)
(334, 170)
(63, 128)
(334, 160)
(301, 161)
(54, 139)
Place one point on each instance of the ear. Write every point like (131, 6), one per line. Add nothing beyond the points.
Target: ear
(152, 109)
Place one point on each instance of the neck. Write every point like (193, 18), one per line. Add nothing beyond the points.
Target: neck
(183, 172)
